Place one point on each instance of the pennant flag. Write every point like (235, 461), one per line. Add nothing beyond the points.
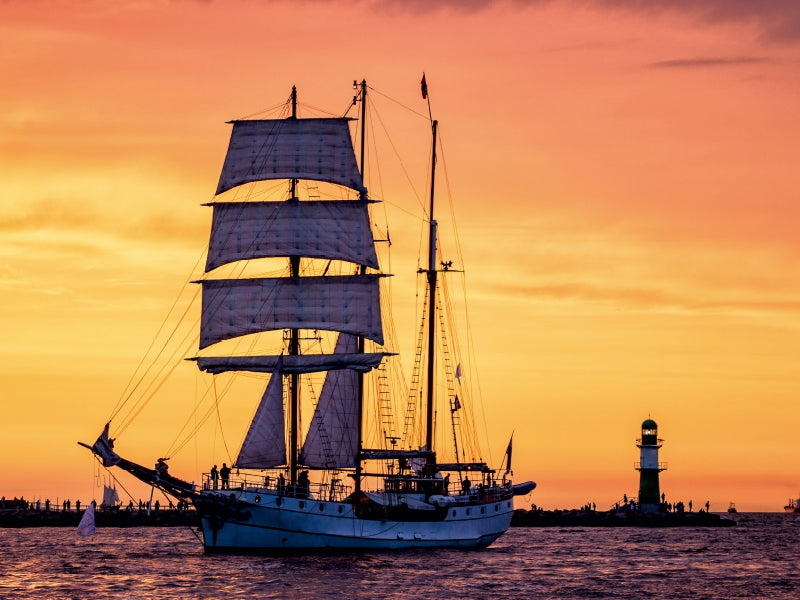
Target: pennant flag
(456, 405)
(424, 87)
(458, 372)
(508, 454)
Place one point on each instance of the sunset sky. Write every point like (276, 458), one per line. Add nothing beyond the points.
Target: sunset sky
(625, 175)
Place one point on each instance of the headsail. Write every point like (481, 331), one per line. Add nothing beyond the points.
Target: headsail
(104, 448)
(264, 445)
(317, 149)
(332, 440)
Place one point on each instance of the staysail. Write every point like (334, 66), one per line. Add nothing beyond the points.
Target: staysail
(264, 445)
(332, 440)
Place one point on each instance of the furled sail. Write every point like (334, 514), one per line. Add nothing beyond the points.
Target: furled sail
(305, 363)
(316, 229)
(236, 307)
(317, 149)
(332, 440)
(264, 445)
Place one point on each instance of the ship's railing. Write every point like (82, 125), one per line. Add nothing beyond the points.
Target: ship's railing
(333, 491)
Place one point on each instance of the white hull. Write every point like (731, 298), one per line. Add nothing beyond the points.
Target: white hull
(268, 522)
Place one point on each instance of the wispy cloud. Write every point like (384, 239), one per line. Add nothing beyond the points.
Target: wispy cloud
(776, 21)
(709, 62)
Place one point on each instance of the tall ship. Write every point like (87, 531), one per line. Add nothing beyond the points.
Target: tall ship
(292, 268)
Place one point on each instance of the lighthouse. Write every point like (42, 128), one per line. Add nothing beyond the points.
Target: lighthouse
(649, 468)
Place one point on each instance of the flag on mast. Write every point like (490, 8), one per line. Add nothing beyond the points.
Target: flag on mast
(456, 404)
(458, 372)
(508, 453)
(424, 85)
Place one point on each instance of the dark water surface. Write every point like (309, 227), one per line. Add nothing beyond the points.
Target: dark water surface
(756, 559)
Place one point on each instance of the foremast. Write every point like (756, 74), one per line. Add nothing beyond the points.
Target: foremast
(363, 271)
(316, 149)
(294, 341)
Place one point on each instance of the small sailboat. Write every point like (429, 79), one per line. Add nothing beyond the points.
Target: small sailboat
(323, 486)
(86, 526)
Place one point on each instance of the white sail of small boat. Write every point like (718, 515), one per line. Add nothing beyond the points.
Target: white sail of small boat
(322, 485)
(86, 525)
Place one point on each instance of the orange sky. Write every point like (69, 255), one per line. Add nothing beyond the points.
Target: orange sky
(626, 200)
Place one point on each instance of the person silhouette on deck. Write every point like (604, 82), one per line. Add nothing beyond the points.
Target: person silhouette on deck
(214, 477)
(224, 475)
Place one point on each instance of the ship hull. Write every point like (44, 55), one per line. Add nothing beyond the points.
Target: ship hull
(253, 523)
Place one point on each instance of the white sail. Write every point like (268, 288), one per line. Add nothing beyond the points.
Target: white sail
(305, 363)
(86, 526)
(332, 440)
(264, 445)
(236, 307)
(337, 230)
(316, 149)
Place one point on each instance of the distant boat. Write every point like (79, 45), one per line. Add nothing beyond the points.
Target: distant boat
(732, 508)
(111, 499)
(793, 506)
(396, 494)
(86, 526)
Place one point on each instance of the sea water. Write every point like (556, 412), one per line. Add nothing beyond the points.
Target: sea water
(755, 559)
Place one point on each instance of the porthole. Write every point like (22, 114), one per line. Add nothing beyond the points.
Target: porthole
(341, 510)
(467, 511)
(257, 499)
(278, 502)
(321, 506)
(454, 512)
(302, 504)
(496, 507)
(483, 510)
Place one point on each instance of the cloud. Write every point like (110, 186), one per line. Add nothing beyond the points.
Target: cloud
(709, 62)
(777, 21)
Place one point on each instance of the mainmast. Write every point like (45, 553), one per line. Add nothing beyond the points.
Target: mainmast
(431, 304)
(294, 343)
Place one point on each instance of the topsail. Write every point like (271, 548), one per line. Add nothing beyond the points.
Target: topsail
(316, 149)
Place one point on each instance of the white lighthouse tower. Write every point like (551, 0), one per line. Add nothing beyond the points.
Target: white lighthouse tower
(649, 468)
